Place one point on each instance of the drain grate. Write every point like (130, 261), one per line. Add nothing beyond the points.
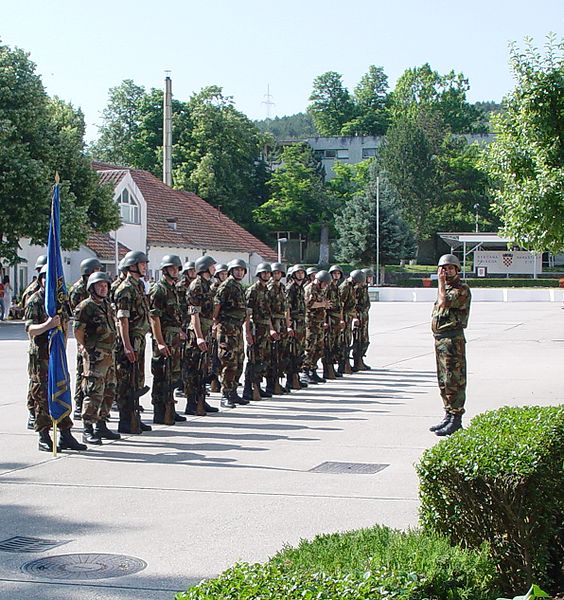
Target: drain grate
(29, 544)
(84, 566)
(346, 467)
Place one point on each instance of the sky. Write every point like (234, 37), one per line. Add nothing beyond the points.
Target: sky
(82, 49)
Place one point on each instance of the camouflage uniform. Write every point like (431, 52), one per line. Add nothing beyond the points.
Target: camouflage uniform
(97, 320)
(39, 363)
(199, 301)
(362, 308)
(258, 305)
(28, 292)
(334, 313)
(232, 314)
(182, 290)
(77, 294)
(278, 306)
(347, 296)
(131, 303)
(164, 304)
(448, 326)
(114, 286)
(295, 300)
(315, 321)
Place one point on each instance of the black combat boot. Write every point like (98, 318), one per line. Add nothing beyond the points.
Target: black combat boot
(227, 400)
(190, 405)
(453, 425)
(238, 399)
(307, 378)
(159, 414)
(209, 408)
(266, 393)
(144, 426)
(178, 418)
(317, 378)
(68, 442)
(31, 420)
(443, 423)
(45, 441)
(269, 388)
(104, 433)
(248, 390)
(89, 436)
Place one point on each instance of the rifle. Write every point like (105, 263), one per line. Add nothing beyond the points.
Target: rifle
(251, 371)
(168, 392)
(293, 369)
(345, 351)
(215, 364)
(277, 388)
(200, 387)
(357, 342)
(132, 401)
(327, 361)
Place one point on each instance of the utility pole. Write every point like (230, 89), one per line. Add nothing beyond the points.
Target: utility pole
(377, 230)
(167, 132)
(476, 207)
(268, 102)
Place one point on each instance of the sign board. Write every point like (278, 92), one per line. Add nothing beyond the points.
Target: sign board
(500, 261)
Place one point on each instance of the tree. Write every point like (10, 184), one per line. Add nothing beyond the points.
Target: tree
(291, 127)
(39, 136)
(331, 104)
(421, 89)
(525, 161)
(371, 102)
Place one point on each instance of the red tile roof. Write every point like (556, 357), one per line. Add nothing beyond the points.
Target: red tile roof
(104, 246)
(198, 224)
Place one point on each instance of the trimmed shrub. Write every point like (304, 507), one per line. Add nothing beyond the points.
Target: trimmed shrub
(501, 481)
(369, 563)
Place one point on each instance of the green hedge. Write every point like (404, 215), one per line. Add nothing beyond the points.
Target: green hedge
(488, 282)
(374, 563)
(501, 481)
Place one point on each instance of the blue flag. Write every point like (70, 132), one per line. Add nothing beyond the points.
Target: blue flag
(58, 390)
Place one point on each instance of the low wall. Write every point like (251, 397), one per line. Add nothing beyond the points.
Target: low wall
(391, 294)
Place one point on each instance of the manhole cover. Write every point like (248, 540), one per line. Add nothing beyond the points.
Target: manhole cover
(84, 566)
(21, 543)
(346, 467)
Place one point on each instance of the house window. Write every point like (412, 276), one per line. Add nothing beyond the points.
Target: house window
(368, 152)
(128, 208)
(330, 154)
(343, 153)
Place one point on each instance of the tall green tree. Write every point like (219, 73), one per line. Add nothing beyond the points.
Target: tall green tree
(39, 136)
(371, 105)
(526, 159)
(331, 104)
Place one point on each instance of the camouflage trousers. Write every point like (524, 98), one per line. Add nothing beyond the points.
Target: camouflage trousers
(279, 350)
(231, 353)
(451, 372)
(195, 368)
(345, 340)
(364, 335)
(300, 337)
(98, 385)
(79, 386)
(262, 353)
(38, 377)
(129, 375)
(333, 339)
(164, 382)
(314, 344)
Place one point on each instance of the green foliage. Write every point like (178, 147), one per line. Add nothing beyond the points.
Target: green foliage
(331, 104)
(39, 136)
(373, 563)
(290, 127)
(500, 481)
(526, 159)
(534, 592)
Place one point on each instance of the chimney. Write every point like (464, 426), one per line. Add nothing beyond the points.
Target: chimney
(167, 133)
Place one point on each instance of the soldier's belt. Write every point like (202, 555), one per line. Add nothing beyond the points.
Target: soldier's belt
(448, 334)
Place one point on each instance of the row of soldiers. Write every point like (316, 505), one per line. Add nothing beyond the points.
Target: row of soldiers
(200, 317)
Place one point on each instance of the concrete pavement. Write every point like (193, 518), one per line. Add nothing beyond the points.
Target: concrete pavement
(192, 499)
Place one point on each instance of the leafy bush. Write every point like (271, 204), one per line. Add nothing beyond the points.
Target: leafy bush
(500, 481)
(368, 563)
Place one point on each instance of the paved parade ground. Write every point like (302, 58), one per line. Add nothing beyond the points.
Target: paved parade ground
(192, 499)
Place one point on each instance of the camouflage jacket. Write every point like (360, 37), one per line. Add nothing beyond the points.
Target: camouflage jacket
(200, 301)
(313, 294)
(97, 320)
(453, 318)
(131, 303)
(113, 287)
(258, 303)
(28, 292)
(348, 298)
(278, 302)
(295, 299)
(35, 314)
(182, 286)
(77, 293)
(231, 298)
(332, 294)
(163, 302)
(362, 299)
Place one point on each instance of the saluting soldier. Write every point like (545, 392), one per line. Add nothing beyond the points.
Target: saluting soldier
(262, 330)
(95, 332)
(37, 325)
(335, 324)
(166, 327)
(281, 324)
(316, 306)
(200, 307)
(347, 293)
(132, 312)
(297, 315)
(230, 314)
(77, 294)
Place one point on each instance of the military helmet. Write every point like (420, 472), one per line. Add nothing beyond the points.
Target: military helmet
(170, 260)
(41, 260)
(323, 276)
(96, 277)
(263, 267)
(204, 263)
(89, 265)
(334, 268)
(121, 267)
(449, 259)
(278, 266)
(311, 270)
(220, 268)
(236, 262)
(358, 276)
(42, 271)
(189, 265)
(368, 272)
(134, 257)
